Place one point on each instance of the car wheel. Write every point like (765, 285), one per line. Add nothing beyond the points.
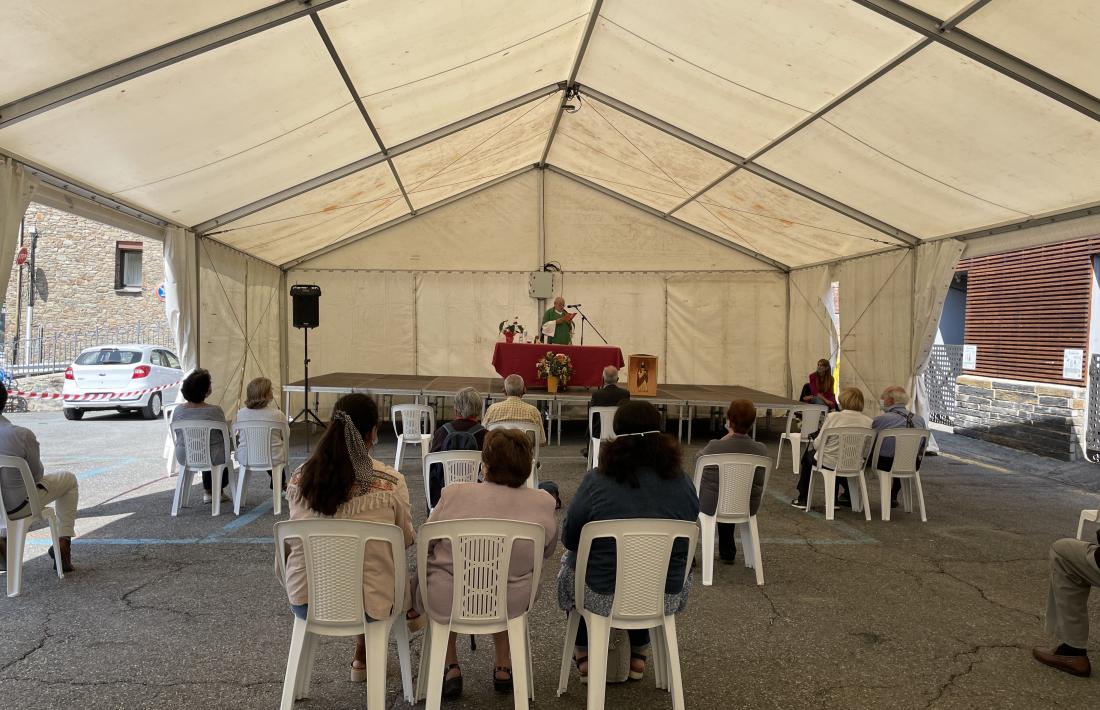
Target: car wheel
(73, 414)
(152, 409)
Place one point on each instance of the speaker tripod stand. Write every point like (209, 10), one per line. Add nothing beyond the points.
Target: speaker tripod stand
(307, 415)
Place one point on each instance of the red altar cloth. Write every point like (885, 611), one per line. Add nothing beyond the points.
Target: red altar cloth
(588, 361)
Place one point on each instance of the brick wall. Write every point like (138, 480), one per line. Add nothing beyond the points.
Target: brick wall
(77, 256)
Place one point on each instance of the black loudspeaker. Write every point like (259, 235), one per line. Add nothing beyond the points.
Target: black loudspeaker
(306, 310)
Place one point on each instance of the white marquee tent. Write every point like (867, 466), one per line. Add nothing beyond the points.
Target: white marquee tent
(701, 170)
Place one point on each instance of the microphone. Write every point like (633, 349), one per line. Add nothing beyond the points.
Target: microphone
(574, 305)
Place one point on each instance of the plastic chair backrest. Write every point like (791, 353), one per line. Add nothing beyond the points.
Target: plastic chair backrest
(854, 443)
(643, 551)
(413, 418)
(607, 417)
(333, 552)
(256, 441)
(197, 437)
(33, 504)
(908, 444)
(458, 467)
(530, 428)
(736, 473)
(812, 416)
(481, 550)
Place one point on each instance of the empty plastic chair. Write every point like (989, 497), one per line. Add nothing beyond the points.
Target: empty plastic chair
(481, 549)
(811, 416)
(458, 467)
(735, 477)
(853, 445)
(533, 432)
(414, 425)
(643, 551)
(257, 440)
(19, 526)
(908, 446)
(606, 416)
(196, 438)
(333, 552)
(1086, 515)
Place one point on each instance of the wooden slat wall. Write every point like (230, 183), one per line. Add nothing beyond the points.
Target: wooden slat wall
(1025, 307)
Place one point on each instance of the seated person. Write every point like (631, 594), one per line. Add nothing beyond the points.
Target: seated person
(259, 407)
(739, 420)
(196, 387)
(895, 416)
(342, 480)
(1074, 571)
(825, 453)
(506, 461)
(610, 395)
(639, 476)
(57, 488)
(514, 409)
(464, 433)
(820, 387)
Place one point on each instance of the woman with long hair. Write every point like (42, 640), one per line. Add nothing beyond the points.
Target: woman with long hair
(821, 387)
(640, 475)
(342, 480)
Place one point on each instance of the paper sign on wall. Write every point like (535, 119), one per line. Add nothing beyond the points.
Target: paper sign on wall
(1073, 363)
(970, 357)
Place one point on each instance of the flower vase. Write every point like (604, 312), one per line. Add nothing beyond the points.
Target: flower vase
(508, 337)
(551, 384)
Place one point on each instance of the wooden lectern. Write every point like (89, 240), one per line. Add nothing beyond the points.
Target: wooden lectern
(641, 376)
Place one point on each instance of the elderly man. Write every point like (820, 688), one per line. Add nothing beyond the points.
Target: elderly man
(57, 488)
(894, 416)
(514, 409)
(608, 396)
(1074, 571)
(557, 325)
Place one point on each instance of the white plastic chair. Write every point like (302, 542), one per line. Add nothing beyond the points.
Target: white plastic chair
(458, 467)
(812, 416)
(256, 440)
(411, 429)
(643, 549)
(735, 476)
(482, 550)
(907, 451)
(169, 442)
(533, 432)
(18, 527)
(334, 552)
(851, 458)
(1086, 515)
(196, 438)
(607, 432)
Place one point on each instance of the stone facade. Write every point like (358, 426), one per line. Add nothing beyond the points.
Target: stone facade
(78, 259)
(1041, 418)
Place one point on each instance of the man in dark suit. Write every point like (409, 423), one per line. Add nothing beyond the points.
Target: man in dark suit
(610, 395)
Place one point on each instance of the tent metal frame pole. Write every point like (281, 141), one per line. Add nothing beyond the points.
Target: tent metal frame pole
(335, 56)
(159, 57)
(1068, 215)
(699, 231)
(951, 22)
(372, 160)
(589, 28)
(983, 53)
(852, 91)
(737, 160)
(404, 218)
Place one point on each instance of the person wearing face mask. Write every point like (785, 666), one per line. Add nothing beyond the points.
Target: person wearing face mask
(821, 388)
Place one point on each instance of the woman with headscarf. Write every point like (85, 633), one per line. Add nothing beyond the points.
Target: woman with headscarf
(342, 480)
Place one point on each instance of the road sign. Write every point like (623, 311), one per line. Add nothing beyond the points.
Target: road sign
(22, 256)
(162, 292)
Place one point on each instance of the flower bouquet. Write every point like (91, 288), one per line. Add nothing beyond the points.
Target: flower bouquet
(555, 368)
(510, 330)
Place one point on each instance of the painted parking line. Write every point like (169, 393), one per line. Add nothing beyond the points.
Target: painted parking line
(972, 462)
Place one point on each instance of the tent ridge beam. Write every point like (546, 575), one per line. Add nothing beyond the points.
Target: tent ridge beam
(699, 231)
(159, 57)
(336, 60)
(744, 163)
(589, 28)
(852, 91)
(996, 59)
(951, 22)
(405, 217)
(372, 160)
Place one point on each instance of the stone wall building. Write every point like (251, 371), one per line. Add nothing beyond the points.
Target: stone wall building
(100, 284)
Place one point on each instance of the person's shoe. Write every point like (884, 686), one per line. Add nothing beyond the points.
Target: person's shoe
(728, 560)
(502, 685)
(415, 623)
(582, 671)
(1074, 665)
(66, 554)
(843, 500)
(358, 672)
(798, 503)
(208, 498)
(452, 687)
(893, 504)
(584, 452)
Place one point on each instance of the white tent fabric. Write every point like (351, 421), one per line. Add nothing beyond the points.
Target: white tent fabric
(811, 334)
(935, 268)
(15, 195)
(181, 301)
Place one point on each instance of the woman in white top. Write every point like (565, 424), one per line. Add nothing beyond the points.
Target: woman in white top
(259, 407)
(850, 414)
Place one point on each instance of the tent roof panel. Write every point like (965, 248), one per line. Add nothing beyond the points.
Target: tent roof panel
(940, 9)
(421, 65)
(47, 42)
(208, 134)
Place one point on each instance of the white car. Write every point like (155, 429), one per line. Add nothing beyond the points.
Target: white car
(121, 377)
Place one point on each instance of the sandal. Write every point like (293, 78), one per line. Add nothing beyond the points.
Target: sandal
(637, 675)
(582, 672)
(502, 685)
(358, 672)
(452, 687)
(415, 623)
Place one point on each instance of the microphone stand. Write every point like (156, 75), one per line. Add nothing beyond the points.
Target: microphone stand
(585, 318)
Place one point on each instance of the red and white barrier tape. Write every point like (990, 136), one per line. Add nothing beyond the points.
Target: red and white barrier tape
(90, 397)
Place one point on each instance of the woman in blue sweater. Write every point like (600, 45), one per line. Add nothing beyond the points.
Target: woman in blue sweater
(639, 476)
